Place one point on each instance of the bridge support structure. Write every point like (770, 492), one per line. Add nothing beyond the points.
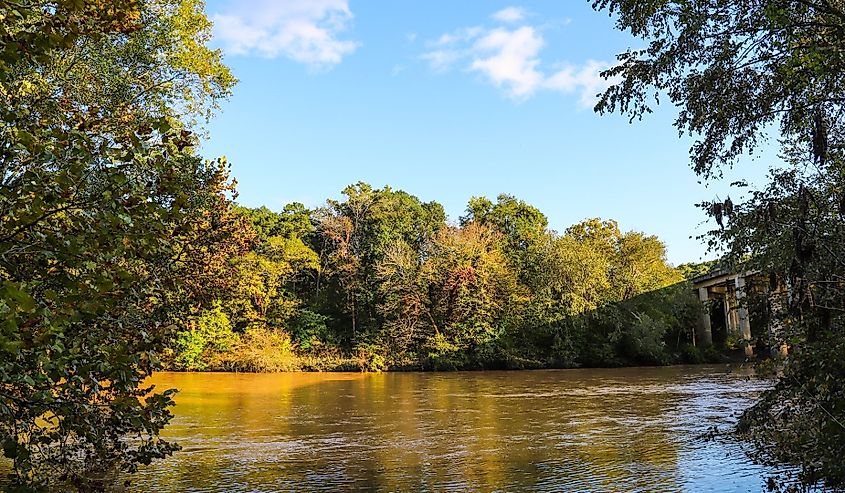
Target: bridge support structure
(730, 290)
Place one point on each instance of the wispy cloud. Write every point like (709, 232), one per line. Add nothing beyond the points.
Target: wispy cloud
(307, 31)
(583, 79)
(510, 14)
(509, 58)
(441, 60)
(463, 34)
(445, 51)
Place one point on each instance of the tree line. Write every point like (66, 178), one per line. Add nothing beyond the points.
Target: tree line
(380, 280)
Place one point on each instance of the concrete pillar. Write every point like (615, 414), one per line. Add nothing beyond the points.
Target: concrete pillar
(744, 324)
(705, 332)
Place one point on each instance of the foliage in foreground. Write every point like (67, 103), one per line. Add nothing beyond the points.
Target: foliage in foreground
(739, 70)
(109, 227)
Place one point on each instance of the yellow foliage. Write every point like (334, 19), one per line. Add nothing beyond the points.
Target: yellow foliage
(261, 350)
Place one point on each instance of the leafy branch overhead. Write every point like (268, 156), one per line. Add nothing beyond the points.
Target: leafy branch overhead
(745, 74)
(735, 69)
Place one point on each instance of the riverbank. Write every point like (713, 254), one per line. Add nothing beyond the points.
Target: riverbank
(254, 357)
(651, 329)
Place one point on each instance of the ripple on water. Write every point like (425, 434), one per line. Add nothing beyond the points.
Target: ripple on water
(602, 430)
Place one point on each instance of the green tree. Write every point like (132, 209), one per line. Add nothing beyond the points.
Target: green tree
(522, 227)
(736, 69)
(356, 235)
(211, 331)
(641, 266)
(108, 223)
(691, 270)
(293, 222)
(576, 275)
(263, 293)
(741, 71)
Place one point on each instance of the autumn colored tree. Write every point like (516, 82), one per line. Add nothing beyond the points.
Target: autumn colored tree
(406, 306)
(472, 288)
(356, 234)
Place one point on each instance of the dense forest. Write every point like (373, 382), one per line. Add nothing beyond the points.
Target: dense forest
(380, 280)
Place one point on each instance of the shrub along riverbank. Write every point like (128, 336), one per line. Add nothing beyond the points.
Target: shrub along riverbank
(635, 342)
(380, 281)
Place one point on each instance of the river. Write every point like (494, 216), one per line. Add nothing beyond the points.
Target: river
(631, 429)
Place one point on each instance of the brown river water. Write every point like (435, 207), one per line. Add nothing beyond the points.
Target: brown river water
(629, 429)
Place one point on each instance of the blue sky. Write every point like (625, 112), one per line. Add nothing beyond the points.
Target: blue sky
(447, 100)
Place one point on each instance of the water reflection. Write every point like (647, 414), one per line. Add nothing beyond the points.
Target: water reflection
(574, 430)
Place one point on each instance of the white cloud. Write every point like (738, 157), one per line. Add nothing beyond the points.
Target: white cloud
(464, 34)
(307, 31)
(510, 14)
(441, 60)
(509, 58)
(446, 50)
(584, 79)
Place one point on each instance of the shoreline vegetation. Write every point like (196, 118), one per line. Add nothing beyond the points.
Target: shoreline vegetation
(270, 358)
(340, 363)
(381, 280)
